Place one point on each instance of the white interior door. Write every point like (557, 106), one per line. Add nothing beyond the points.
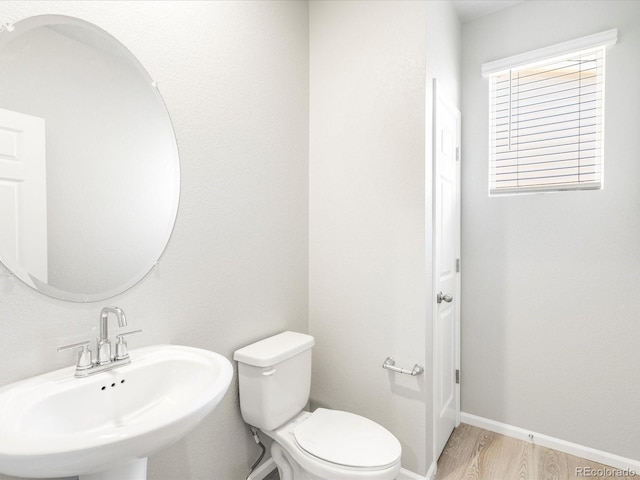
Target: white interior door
(446, 241)
(23, 192)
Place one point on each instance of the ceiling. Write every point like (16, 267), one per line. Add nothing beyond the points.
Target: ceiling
(471, 9)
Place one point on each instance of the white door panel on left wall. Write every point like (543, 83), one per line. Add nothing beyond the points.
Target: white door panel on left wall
(23, 192)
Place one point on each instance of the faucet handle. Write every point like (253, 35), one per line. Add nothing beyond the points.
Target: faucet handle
(84, 356)
(121, 345)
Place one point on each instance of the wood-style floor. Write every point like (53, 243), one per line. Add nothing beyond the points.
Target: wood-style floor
(476, 454)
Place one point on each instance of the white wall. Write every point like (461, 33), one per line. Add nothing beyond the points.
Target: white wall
(367, 212)
(551, 283)
(234, 76)
(444, 50)
(370, 207)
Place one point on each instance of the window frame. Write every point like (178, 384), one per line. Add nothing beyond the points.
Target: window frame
(531, 60)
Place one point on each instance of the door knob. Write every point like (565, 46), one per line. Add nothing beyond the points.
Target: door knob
(447, 298)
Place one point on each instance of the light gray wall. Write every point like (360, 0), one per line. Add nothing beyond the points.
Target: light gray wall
(444, 50)
(551, 283)
(234, 76)
(367, 212)
(370, 207)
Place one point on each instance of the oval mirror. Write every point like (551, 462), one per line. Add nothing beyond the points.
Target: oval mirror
(89, 169)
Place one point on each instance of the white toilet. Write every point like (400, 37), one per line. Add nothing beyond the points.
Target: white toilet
(275, 381)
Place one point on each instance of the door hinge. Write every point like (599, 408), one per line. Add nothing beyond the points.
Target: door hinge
(457, 265)
(457, 154)
(457, 376)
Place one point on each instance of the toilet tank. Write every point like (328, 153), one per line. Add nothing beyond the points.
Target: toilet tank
(274, 377)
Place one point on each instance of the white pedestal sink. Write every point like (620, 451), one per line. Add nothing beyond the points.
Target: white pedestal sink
(105, 426)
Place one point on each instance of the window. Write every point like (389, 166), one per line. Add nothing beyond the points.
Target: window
(546, 118)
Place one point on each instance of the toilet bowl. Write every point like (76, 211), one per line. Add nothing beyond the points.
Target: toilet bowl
(274, 379)
(336, 445)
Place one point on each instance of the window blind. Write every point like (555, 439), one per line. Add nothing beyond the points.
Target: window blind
(546, 129)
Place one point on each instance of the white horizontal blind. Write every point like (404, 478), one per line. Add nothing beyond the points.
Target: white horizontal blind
(546, 129)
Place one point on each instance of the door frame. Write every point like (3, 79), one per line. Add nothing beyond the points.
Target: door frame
(438, 94)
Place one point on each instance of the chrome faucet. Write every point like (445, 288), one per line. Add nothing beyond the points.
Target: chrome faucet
(105, 361)
(104, 345)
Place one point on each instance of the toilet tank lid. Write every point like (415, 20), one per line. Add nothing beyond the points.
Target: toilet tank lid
(273, 350)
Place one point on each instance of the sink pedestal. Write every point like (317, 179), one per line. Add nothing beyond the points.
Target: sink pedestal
(136, 470)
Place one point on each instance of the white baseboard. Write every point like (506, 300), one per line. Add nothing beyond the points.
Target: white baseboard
(263, 470)
(431, 474)
(409, 475)
(570, 448)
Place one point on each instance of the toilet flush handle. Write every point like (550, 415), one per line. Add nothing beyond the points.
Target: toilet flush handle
(268, 373)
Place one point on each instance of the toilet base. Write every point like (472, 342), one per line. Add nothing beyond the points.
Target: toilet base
(288, 469)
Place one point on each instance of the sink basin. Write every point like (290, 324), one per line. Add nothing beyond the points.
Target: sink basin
(55, 425)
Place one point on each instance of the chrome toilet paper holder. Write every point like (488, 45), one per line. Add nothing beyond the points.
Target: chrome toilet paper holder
(390, 364)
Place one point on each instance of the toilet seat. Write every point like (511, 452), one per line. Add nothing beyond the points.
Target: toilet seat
(347, 439)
